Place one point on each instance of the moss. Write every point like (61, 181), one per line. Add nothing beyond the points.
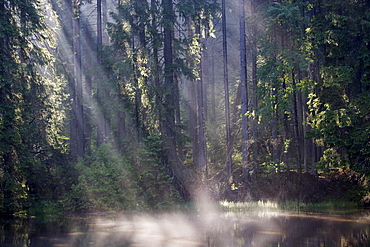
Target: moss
(330, 206)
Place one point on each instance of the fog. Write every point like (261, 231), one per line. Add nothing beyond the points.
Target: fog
(208, 224)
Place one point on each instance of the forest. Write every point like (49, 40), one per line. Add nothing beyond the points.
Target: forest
(125, 105)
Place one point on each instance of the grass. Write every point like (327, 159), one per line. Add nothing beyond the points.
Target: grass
(324, 207)
(320, 207)
(251, 205)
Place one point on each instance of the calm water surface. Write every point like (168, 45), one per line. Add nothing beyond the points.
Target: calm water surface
(226, 229)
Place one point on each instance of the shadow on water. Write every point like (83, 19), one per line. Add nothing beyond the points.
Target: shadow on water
(258, 228)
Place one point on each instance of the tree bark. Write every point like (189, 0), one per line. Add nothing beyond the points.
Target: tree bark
(79, 85)
(296, 125)
(88, 86)
(226, 88)
(212, 85)
(202, 160)
(178, 124)
(168, 125)
(77, 123)
(274, 126)
(254, 105)
(100, 139)
(156, 67)
(244, 82)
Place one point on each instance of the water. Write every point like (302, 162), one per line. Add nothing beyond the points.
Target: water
(218, 229)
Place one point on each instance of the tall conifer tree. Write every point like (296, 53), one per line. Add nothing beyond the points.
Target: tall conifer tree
(30, 107)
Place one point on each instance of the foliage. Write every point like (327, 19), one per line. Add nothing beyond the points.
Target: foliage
(338, 116)
(104, 183)
(315, 51)
(31, 111)
(109, 181)
(283, 78)
(347, 185)
(154, 174)
(313, 100)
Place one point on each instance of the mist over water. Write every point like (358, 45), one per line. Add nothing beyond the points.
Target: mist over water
(207, 225)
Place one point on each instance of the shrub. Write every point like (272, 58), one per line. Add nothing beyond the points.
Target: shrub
(104, 182)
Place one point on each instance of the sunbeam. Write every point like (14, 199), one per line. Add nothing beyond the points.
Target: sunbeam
(184, 123)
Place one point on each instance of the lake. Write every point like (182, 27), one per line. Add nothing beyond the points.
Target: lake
(198, 228)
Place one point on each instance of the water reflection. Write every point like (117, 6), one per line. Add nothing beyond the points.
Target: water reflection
(262, 228)
(301, 230)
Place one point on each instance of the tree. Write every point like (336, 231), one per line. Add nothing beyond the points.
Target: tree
(101, 120)
(339, 106)
(168, 115)
(77, 121)
(202, 158)
(244, 82)
(31, 111)
(197, 17)
(254, 91)
(286, 56)
(226, 88)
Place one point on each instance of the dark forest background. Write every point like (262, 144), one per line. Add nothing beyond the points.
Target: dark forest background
(140, 104)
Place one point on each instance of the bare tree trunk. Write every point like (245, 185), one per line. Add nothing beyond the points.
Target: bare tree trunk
(306, 142)
(313, 158)
(77, 125)
(300, 118)
(286, 146)
(296, 125)
(73, 124)
(244, 82)
(88, 86)
(104, 10)
(212, 85)
(254, 105)
(79, 86)
(202, 154)
(193, 108)
(156, 45)
(274, 127)
(121, 125)
(100, 116)
(226, 86)
(178, 119)
(285, 135)
(205, 79)
(193, 133)
(168, 125)
(137, 91)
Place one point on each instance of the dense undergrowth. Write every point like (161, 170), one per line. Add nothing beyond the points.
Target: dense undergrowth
(338, 187)
(339, 190)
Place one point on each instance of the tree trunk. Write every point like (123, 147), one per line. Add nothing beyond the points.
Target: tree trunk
(76, 123)
(202, 160)
(313, 158)
(178, 119)
(121, 126)
(137, 98)
(104, 11)
(193, 133)
(78, 74)
(156, 67)
(212, 85)
(274, 126)
(244, 82)
(226, 87)
(254, 106)
(205, 78)
(88, 87)
(296, 124)
(100, 116)
(168, 125)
